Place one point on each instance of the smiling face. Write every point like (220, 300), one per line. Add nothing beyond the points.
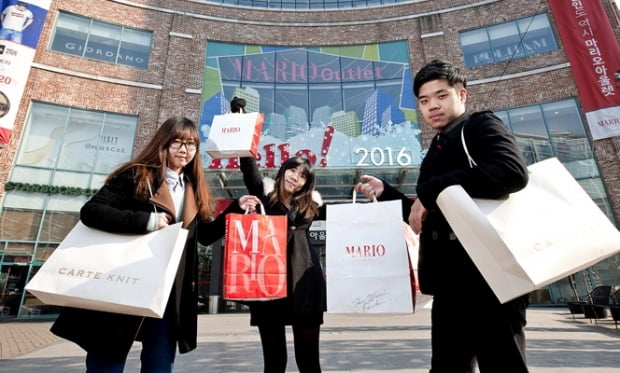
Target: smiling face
(180, 153)
(441, 103)
(294, 179)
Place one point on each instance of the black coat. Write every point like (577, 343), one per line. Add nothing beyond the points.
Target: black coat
(444, 265)
(306, 288)
(116, 208)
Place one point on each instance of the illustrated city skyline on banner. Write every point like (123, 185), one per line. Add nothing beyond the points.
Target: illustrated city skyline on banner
(338, 106)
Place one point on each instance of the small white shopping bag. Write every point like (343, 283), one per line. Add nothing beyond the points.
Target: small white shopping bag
(367, 264)
(120, 273)
(235, 135)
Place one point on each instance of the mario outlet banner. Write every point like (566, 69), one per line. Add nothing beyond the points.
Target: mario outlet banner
(22, 22)
(594, 56)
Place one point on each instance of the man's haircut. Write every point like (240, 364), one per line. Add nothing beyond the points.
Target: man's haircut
(436, 70)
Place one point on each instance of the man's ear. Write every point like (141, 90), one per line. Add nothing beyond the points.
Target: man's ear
(463, 94)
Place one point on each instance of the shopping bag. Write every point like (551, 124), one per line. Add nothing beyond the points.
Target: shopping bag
(121, 273)
(255, 257)
(367, 264)
(536, 236)
(235, 135)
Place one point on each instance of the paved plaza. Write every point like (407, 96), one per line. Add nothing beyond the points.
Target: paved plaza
(349, 343)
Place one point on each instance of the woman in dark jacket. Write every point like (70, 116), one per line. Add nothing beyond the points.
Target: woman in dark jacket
(168, 177)
(293, 195)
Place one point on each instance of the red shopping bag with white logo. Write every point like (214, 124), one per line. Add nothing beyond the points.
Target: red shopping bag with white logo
(235, 135)
(367, 264)
(255, 257)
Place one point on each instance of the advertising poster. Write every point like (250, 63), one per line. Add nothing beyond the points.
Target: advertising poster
(594, 55)
(350, 106)
(22, 22)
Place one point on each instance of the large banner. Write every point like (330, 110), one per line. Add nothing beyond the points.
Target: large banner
(594, 56)
(347, 106)
(22, 22)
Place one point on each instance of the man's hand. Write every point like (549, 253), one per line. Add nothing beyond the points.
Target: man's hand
(370, 186)
(417, 215)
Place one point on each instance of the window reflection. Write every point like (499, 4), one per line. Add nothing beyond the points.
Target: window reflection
(84, 37)
(556, 129)
(501, 42)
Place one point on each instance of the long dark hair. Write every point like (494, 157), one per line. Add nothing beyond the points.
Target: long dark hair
(301, 201)
(150, 164)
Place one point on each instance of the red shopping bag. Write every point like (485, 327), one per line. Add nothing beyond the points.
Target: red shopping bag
(235, 135)
(255, 257)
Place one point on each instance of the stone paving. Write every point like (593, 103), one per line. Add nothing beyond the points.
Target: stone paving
(349, 343)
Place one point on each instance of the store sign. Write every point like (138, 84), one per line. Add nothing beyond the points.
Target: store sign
(594, 56)
(519, 49)
(22, 22)
(339, 107)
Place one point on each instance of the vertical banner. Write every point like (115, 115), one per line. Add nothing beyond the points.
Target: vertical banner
(22, 22)
(594, 56)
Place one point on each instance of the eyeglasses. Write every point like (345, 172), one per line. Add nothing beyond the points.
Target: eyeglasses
(189, 145)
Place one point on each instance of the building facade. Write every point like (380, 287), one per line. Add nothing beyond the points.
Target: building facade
(333, 78)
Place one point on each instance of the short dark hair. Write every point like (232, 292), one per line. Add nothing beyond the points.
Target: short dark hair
(438, 69)
(237, 105)
(22, 3)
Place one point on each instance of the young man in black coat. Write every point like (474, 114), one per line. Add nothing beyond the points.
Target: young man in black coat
(469, 324)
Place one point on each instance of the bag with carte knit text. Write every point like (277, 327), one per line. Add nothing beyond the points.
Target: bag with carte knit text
(235, 135)
(536, 236)
(121, 273)
(367, 264)
(255, 257)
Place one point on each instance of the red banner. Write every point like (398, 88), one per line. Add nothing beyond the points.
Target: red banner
(594, 56)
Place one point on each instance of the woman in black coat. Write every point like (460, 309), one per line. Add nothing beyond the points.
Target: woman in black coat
(168, 177)
(293, 195)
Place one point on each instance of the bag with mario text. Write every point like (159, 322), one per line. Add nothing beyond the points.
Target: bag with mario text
(367, 264)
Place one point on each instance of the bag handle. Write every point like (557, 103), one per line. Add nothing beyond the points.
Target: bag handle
(374, 198)
(471, 161)
(262, 209)
(148, 183)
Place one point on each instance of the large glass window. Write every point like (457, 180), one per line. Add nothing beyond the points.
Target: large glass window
(64, 155)
(514, 39)
(308, 4)
(341, 106)
(59, 139)
(85, 37)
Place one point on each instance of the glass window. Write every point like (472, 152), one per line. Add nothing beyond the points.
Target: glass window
(537, 35)
(567, 132)
(501, 42)
(531, 133)
(555, 129)
(335, 104)
(20, 225)
(505, 41)
(309, 4)
(76, 140)
(101, 41)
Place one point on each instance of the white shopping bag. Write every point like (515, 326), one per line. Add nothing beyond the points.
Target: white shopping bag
(536, 236)
(367, 264)
(120, 273)
(235, 135)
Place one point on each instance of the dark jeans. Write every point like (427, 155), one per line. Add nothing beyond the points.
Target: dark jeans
(482, 330)
(157, 356)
